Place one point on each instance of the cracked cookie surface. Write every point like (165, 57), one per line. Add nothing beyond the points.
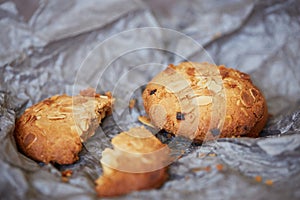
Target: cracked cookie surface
(53, 130)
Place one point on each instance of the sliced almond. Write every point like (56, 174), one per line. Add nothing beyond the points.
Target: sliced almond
(214, 87)
(103, 97)
(29, 139)
(208, 81)
(66, 109)
(254, 93)
(203, 81)
(39, 107)
(56, 116)
(203, 100)
(247, 99)
(177, 86)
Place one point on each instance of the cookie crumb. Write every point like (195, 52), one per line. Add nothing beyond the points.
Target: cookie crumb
(132, 103)
(208, 168)
(65, 175)
(258, 179)
(269, 182)
(219, 167)
(65, 179)
(196, 169)
(200, 155)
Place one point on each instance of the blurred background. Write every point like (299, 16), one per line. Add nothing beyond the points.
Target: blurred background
(43, 49)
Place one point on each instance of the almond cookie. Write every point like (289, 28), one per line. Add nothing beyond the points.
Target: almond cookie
(137, 162)
(203, 101)
(53, 130)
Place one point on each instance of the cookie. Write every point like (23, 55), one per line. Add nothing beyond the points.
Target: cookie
(137, 162)
(203, 101)
(53, 130)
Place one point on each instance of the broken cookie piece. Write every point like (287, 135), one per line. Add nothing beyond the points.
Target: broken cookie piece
(52, 130)
(139, 161)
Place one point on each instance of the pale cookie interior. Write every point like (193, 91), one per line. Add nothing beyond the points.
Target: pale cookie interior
(138, 161)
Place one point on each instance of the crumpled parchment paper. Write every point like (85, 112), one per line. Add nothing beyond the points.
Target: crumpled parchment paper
(42, 50)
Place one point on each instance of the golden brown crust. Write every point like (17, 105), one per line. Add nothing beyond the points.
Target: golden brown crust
(203, 101)
(120, 183)
(138, 162)
(52, 130)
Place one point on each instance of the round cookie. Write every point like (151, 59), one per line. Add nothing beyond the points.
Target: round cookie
(52, 130)
(203, 101)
